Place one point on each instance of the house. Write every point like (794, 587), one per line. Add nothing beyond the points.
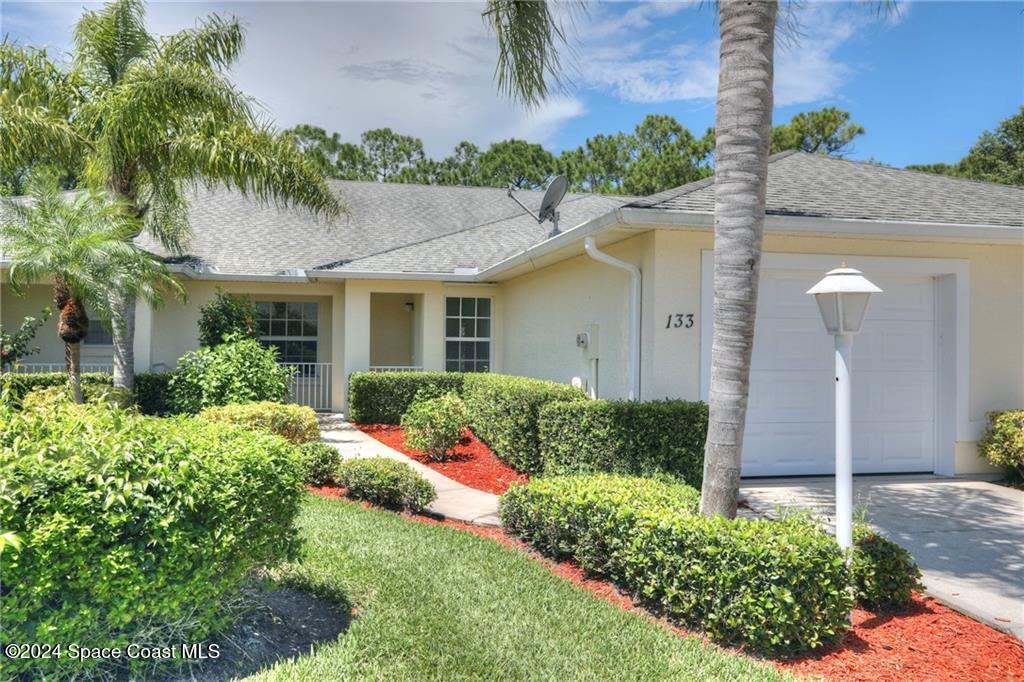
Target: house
(454, 278)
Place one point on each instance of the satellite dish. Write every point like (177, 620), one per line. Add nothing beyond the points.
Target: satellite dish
(553, 196)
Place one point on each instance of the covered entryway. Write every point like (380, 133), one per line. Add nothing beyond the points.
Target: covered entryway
(909, 367)
(396, 332)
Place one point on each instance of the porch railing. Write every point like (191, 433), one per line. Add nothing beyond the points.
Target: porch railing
(396, 368)
(311, 385)
(39, 367)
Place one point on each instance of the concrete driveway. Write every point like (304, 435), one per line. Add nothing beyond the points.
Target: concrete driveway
(967, 535)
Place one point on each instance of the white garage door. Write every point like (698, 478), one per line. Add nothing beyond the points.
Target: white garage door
(792, 395)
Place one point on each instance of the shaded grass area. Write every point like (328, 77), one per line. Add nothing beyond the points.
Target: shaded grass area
(435, 603)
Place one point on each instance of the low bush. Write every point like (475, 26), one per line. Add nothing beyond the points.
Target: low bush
(777, 587)
(18, 386)
(152, 392)
(626, 437)
(1002, 444)
(237, 371)
(320, 463)
(386, 482)
(52, 396)
(883, 573)
(383, 397)
(435, 425)
(132, 528)
(296, 423)
(504, 413)
(225, 315)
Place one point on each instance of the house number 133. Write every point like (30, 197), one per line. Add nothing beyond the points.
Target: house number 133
(679, 321)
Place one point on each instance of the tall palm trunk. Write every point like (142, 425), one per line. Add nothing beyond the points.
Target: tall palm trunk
(743, 137)
(72, 328)
(73, 362)
(123, 333)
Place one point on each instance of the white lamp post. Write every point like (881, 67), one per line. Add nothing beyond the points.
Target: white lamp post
(842, 297)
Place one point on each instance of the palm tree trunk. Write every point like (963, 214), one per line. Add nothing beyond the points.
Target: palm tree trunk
(123, 333)
(743, 138)
(72, 359)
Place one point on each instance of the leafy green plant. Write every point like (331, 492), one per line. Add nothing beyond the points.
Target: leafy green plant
(152, 392)
(776, 587)
(883, 573)
(435, 425)
(237, 371)
(133, 529)
(383, 397)
(386, 482)
(52, 396)
(504, 412)
(320, 462)
(295, 423)
(17, 386)
(226, 315)
(15, 346)
(1002, 444)
(626, 437)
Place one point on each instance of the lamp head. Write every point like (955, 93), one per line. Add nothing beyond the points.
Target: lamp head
(842, 297)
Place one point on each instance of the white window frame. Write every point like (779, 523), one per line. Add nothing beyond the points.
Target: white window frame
(280, 340)
(475, 339)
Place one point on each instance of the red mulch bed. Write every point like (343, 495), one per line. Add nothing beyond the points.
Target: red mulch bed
(925, 642)
(472, 463)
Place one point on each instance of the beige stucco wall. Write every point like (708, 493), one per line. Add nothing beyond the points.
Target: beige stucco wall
(546, 308)
(393, 329)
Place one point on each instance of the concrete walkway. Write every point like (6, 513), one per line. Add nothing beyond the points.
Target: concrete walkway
(454, 500)
(967, 535)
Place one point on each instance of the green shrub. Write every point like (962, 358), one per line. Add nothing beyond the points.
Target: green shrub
(52, 396)
(296, 423)
(133, 529)
(386, 482)
(226, 315)
(435, 425)
(152, 392)
(776, 587)
(320, 463)
(504, 413)
(1002, 444)
(883, 573)
(626, 437)
(383, 397)
(237, 371)
(20, 385)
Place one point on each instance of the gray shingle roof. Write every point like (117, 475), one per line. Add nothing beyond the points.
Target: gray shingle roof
(801, 184)
(391, 227)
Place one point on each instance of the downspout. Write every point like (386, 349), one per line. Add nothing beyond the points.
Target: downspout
(634, 311)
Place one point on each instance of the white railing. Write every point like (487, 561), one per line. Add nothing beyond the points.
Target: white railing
(39, 367)
(311, 385)
(396, 368)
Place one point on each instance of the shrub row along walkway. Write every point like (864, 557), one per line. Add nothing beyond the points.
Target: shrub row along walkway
(454, 500)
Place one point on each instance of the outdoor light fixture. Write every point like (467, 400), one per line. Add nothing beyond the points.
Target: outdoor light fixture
(842, 298)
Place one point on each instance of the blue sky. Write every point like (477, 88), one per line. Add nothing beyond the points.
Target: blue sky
(924, 83)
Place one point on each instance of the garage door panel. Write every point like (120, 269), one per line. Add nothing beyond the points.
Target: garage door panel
(895, 447)
(893, 396)
(790, 397)
(895, 346)
(902, 299)
(798, 448)
(784, 295)
(783, 343)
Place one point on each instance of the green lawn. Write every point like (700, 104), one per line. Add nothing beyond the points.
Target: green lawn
(436, 603)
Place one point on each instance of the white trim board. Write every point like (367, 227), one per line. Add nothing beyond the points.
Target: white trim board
(953, 305)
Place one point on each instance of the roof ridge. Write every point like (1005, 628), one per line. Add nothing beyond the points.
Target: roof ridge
(873, 165)
(439, 236)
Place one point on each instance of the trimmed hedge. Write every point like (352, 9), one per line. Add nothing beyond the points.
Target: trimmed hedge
(20, 385)
(383, 397)
(884, 574)
(52, 396)
(504, 412)
(637, 438)
(152, 392)
(435, 426)
(386, 482)
(1002, 444)
(775, 587)
(295, 423)
(132, 528)
(320, 462)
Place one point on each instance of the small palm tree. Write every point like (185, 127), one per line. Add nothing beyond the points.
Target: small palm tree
(82, 241)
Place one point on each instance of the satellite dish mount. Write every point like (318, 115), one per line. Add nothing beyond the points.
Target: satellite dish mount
(548, 205)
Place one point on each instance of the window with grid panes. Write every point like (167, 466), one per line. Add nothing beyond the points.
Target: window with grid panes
(467, 334)
(291, 327)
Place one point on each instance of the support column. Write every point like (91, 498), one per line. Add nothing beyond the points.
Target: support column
(433, 330)
(338, 379)
(356, 334)
(143, 346)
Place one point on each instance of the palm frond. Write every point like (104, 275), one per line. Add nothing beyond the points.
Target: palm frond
(530, 38)
(215, 42)
(33, 135)
(108, 40)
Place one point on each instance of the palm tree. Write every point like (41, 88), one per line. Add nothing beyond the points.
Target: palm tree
(147, 118)
(529, 36)
(81, 240)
